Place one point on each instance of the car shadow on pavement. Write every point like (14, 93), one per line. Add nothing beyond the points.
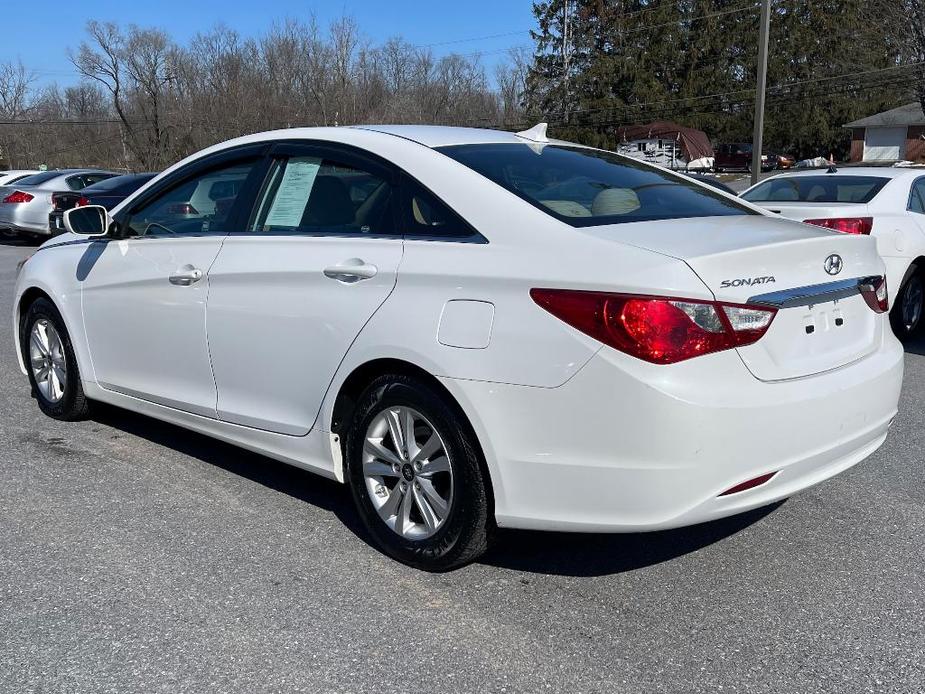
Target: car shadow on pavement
(581, 554)
(287, 479)
(20, 241)
(567, 554)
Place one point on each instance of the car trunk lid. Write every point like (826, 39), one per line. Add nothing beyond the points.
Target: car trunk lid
(822, 322)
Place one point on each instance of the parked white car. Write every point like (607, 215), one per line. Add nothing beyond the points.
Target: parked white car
(886, 203)
(472, 328)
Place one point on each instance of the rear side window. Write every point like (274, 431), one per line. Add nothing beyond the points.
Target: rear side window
(426, 215)
(917, 196)
(81, 181)
(315, 195)
(822, 188)
(587, 187)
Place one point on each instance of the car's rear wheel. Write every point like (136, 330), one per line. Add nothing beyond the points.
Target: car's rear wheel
(51, 364)
(909, 306)
(416, 475)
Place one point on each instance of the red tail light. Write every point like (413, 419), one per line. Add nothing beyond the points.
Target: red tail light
(18, 196)
(846, 225)
(181, 208)
(81, 201)
(661, 330)
(875, 294)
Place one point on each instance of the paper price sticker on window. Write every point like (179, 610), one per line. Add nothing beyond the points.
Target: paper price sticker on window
(293, 193)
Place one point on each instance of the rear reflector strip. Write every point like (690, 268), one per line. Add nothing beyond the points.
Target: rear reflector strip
(749, 484)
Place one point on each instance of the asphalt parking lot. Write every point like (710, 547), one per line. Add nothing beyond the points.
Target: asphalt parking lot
(137, 557)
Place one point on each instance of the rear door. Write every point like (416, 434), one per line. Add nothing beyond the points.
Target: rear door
(289, 294)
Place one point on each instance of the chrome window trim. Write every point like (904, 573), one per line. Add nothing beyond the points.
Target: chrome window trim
(814, 294)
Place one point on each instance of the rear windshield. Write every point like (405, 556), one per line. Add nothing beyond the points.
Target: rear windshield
(822, 188)
(39, 178)
(588, 187)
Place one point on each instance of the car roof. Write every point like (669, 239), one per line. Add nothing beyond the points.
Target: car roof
(878, 171)
(445, 135)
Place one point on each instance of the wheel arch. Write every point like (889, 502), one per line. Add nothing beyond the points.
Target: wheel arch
(352, 387)
(26, 299)
(915, 265)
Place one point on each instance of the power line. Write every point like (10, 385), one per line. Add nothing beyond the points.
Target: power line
(748, 90)
(473, 39)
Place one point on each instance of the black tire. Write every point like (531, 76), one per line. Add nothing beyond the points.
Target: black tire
(466, 531)
(907, 326)
(73, 404)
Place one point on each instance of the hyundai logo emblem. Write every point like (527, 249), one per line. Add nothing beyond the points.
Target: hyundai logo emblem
(833, 264)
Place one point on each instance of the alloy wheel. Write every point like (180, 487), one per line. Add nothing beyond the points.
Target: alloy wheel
(47, 360)
(407, 472)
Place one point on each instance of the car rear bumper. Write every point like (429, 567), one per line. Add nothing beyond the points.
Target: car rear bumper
(627, 446)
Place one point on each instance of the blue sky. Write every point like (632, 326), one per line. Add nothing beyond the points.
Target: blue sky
(41, 39)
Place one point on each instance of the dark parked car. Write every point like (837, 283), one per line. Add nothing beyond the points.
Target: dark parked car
(738, 156)
(108, 193)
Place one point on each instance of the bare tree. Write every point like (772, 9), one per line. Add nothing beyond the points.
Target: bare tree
(15, 92)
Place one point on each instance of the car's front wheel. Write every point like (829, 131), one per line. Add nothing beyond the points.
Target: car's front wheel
(416, 475)
(51, 364)
(909, 306)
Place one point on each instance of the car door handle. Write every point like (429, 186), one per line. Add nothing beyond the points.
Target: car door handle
(185, 276)
(351, 271)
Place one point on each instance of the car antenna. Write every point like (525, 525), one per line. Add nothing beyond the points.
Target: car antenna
(535, 134)
(832, 169)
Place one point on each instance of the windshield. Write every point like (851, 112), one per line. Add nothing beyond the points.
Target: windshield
(822, 188)
(588, 187)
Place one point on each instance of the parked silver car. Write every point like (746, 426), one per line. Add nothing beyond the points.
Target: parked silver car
(25, 205)
(9, 177)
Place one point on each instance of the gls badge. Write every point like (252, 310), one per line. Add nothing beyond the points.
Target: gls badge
(746, 282)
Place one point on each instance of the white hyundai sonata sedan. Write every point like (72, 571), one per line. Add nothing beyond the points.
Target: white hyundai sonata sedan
(472, 329)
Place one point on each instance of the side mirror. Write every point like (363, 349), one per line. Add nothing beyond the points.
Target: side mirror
(90, 220)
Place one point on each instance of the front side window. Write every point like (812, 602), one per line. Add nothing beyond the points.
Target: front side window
(316, 195)
(917, 196)
(588, 187)
(200, 204)
(822, 188)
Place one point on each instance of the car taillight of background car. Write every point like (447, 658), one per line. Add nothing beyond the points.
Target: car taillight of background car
(18, 196)
(846, 225)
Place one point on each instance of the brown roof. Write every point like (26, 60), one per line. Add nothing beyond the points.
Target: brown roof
(694, 143)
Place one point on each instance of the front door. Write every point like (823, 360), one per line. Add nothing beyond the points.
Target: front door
(144, 294)
(288, 296)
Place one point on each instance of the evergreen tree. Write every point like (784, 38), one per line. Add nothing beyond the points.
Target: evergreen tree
(694, 62)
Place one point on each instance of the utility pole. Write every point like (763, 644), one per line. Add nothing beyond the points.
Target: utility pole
(565, 53)
(759, 90)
